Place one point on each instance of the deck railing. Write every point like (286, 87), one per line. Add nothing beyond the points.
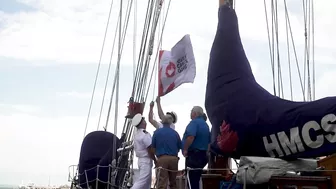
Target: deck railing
(182, 179)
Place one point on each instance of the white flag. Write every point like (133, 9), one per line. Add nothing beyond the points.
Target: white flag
(176, 66)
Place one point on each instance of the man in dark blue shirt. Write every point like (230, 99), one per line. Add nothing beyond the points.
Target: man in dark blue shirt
(166, 143)
(196, 141)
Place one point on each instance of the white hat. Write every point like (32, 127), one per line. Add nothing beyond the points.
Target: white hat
(174, 116)
(137, 120)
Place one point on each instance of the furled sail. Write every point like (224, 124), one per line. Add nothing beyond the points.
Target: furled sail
(249, 121)
(98, 148)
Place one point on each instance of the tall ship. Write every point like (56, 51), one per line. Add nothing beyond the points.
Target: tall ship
(275, 143)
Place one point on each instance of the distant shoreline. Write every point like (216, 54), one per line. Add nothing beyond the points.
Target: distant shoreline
(8, 186)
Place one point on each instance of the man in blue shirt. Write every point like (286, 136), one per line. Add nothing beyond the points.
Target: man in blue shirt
(166, 143)
(196, 142)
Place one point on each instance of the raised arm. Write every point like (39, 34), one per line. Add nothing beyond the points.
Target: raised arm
(150, 116)
(159, 107)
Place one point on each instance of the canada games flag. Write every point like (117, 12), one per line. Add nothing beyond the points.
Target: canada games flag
(176, 66)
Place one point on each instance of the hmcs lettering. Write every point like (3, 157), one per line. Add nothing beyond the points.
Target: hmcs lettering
(294, 143)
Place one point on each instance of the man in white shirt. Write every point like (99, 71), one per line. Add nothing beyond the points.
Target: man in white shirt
(172, 115)
(143, 150)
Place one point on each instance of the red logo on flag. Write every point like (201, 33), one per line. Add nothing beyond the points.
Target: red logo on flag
(170, 69)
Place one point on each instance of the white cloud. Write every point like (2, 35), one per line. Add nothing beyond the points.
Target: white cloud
(324, 23)
(72, 31)
(323, 85)
(82, 95)
(255, 67)
(252, 21)
(23, 108)
(62, 31)
(26, 108)
(326, 58)
(33, 145)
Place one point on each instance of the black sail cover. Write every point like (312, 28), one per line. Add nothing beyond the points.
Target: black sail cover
(98, 148)
(249, 121)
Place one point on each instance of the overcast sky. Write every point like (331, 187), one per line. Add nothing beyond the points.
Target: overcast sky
(49, 52)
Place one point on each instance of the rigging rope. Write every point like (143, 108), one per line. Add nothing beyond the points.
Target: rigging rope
(118, 72)
(151, 46)
(146, 58)
(122, 38)
(269, 46)
(141, 74)
(143, 44)
(294, 50)
(152, 20)
(307, 8)
(289, 61)
(140, 79)
(108, 74)
(274, 49)
(313, 46)
(146, 50)
(110, 63)
(98, 69)
(159, 46)
(134, 36)
(276, 27)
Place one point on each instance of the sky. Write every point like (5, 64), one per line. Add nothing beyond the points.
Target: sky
(49, 52)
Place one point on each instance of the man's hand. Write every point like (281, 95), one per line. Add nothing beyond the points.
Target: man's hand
(158, 100)
(151, 105)
(185, 153)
